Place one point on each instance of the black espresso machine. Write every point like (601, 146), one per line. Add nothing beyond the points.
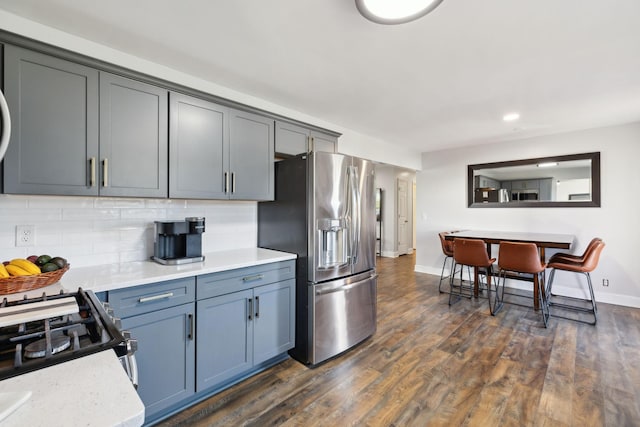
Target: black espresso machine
(178, 242)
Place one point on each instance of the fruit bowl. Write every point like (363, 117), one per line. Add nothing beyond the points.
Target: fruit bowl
(16, 284)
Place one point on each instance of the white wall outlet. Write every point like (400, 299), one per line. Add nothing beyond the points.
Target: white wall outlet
(25, 235)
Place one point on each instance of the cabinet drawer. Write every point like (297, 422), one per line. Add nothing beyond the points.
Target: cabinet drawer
(211, 285)
(146, 298)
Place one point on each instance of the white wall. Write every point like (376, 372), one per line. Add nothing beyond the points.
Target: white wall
(442, 205)
(387, 178)
(92, 231)
(351, 142)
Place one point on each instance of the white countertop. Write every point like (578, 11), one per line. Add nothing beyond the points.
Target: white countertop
(115, 276)
(93, 390)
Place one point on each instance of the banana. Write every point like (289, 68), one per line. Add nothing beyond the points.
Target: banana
(14, 270)
(26, 265)
(3, 272)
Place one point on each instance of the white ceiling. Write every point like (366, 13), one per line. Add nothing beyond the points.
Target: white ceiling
(442, 81)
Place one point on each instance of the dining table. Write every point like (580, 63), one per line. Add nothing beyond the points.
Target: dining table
(492, 237)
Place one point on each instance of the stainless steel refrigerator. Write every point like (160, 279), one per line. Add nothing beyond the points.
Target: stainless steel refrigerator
(325, 213)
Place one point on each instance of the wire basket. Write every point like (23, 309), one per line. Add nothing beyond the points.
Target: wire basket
(16, 284)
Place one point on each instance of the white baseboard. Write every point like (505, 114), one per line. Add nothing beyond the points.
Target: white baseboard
(390, 254)
(606, 298)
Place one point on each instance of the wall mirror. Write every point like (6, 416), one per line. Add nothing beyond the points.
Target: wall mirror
(558, 181)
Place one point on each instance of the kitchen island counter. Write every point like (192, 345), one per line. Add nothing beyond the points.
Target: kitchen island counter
(92, 390)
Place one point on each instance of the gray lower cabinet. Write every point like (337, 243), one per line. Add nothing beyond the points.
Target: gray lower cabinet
(165, 356)
(161, 317)
(292, 139)
(197, 335)
(217, 152)
(245, 317)
(240, 330)
(54, 118)
(78, 131)
(224, 338)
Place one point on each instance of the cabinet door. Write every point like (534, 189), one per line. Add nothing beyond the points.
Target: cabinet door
(198, 148)
(133, 138)
(322, 142)
(54, 115)
(546, 189)
(291, 139)
(274, 320)
(224, 326)
(251, 156)
(165, 355)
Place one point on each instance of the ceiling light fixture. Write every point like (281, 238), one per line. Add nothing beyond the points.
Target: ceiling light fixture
(547, 165)
(511, 117)
(394, 11)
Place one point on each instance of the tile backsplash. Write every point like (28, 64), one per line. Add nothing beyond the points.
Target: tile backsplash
(99, 230)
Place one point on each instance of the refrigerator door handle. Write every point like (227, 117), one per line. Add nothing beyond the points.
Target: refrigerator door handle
(355, 214)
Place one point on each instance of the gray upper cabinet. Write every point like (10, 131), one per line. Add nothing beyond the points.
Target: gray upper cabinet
(133, 138)
(219, 153)
(322, 142)
(54, 112)
(251, 156)
(198, 148)
(77, 131)
(293, 139)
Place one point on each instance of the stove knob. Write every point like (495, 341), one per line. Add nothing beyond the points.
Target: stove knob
(132, 344)
(116, 321)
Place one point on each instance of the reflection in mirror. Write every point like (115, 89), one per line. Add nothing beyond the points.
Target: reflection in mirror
(560, 181)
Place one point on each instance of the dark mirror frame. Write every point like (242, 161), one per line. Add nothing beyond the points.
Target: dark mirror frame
(595, 183)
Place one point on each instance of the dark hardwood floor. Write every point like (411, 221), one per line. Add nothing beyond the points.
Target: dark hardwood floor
(432, 364)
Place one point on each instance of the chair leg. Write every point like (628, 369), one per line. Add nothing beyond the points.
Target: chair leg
(593, 299)
(594, 306)
(543, 299)
(451, 285)
(499, 296)
(442, 276)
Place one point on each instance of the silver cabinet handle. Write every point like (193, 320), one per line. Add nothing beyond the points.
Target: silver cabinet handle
(92, 175)
(250, 301)
(252, 278)
(155, 297)
(190, 334)
(105, 173)
(233, 182)
(226, 182)
(257, 307)
(311, 143)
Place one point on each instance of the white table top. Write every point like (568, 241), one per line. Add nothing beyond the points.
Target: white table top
(93, 390)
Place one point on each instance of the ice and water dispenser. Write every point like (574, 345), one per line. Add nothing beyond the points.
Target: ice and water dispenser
(333, 242)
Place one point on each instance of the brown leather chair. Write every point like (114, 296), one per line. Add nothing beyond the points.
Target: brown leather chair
(447, 250)
(584, 265)
(521, 258)
(471, 253)
(563, 256)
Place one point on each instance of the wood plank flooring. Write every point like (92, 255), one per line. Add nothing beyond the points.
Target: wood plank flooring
(430, 364)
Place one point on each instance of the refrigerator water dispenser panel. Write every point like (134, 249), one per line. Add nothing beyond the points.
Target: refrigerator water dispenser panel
(333, 248)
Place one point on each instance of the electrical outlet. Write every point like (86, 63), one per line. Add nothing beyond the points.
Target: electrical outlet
(25, 235)
(605, 282)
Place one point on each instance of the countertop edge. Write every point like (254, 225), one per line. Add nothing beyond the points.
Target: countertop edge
(108, 277)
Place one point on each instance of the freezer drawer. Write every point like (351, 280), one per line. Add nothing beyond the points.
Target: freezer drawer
(343, 314)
